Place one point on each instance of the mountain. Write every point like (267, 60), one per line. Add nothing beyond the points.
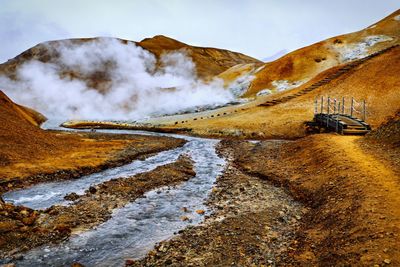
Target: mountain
(301, 65)
(208, 61)
(376, 80)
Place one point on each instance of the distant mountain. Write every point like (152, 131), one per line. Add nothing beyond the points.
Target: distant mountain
(276, 55)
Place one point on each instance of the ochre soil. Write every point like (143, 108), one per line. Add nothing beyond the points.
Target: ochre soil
(376, 81)
(22, 228)
(351, 191)
(31, 155)
(71, 155)
(309, 61)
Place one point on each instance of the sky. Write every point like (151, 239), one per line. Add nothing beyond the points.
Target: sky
(258, 28)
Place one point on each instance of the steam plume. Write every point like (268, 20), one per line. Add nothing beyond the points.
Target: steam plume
(134, 86)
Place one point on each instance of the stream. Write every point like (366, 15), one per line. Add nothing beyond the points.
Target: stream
(134, 229)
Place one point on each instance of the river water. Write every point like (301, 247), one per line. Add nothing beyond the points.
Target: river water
(134, 229)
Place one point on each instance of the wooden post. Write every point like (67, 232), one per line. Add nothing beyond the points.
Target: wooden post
(322, 104)
(328, 108)
(343, 109)
(364, 111)
(338, 108)
(334, 106)
(351, 107)
(316, 106)
(329, 104)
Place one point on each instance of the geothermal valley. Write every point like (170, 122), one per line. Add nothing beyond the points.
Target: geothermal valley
(156, 153)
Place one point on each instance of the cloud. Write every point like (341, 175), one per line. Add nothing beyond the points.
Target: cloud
(18, 33)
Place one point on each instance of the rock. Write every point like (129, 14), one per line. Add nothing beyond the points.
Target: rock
(62, 228)
(201, 212)
(184, 209)
(8, 265)
(185, 218)
(24, 212)
(72, 196)
(92, 190)
(29, 220)
(387, 261)
(77, 264)
(129, 262)
(8, 226)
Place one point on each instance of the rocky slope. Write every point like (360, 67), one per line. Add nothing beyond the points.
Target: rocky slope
(375, 81)
(30, 155)
(301, 65)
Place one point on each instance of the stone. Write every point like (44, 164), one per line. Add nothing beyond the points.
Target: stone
(185, 218)
(129, 262)
(7, 226)
(72, 196)
(184, 209)
(92, 190)
(62, 228)
(201, 212)
(387, 261)
(29, 220)
(24, 212)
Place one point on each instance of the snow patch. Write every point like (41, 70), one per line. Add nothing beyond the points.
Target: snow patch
(240, 85)
(360, 50)
(264, 92)
(371, 27)
(259, 69)
(282, 85)
(397, 18)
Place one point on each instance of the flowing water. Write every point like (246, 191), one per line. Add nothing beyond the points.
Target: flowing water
(134, 229)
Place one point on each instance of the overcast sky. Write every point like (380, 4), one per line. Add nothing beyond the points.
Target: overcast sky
(259, 28)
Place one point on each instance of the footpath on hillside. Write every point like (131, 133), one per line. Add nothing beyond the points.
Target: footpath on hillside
(347, 210)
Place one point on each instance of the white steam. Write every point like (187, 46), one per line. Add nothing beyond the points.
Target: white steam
(132, 86)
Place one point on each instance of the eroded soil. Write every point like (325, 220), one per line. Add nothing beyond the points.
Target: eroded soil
(80, 154)
(350, 189)
(22, 228)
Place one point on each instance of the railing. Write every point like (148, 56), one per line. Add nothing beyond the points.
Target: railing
(334, 106)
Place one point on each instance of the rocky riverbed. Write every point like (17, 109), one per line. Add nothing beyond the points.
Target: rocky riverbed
(252, 223)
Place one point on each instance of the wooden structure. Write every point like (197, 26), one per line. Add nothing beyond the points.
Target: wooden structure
(334, 115)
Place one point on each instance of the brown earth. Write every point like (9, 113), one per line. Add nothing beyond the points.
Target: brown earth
(305, 63)
(352, 218)
(31, 155)
(352, 192)
(22, 228)
(376, 81)
(209, 61)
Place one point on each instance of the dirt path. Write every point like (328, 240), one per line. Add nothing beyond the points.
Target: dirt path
(353, 197)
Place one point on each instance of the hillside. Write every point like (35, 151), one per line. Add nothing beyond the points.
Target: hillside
(29, 154)
(376, 80)
(300, 66)
(209, 61)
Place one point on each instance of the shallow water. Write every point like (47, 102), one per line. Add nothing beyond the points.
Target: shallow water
(134, 229)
